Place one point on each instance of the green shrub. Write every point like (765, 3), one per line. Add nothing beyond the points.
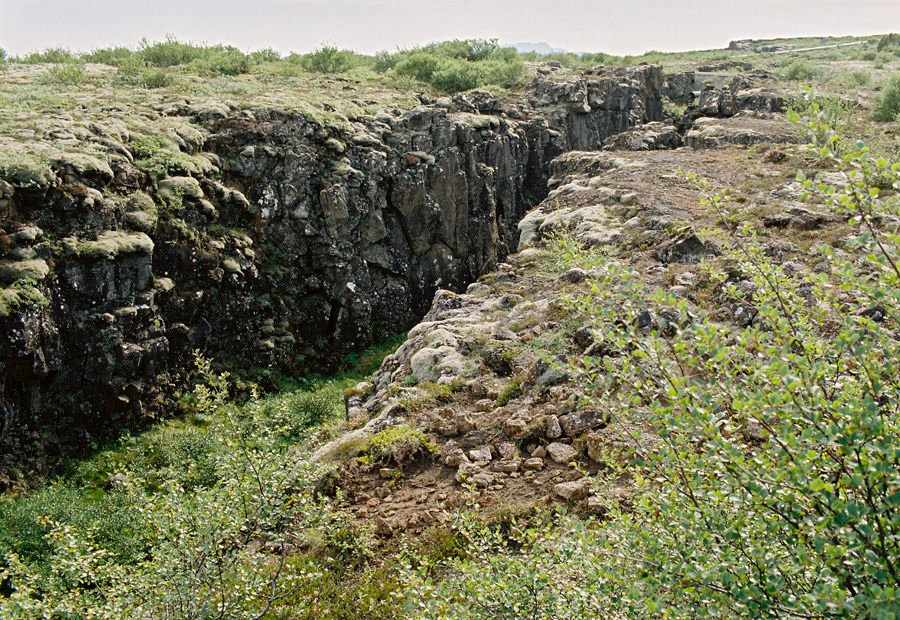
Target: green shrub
(178, 537)
(800, 70)
(169, 53)
(265, 55)
(154, 78)
(887, 108)
(112, 515)
(114, 56)
(457, 66)
(209, 60)
(516, 571)
(70, 74)
(889, 41)
(134, 72)
(789, 519)
(223, 60)
(502, 72)
(328, 59)
(510, 391)
(299, 411)
(453, 76)
(418, 65)
(56, 55)
(855, 79)
(472, 50)
(385, 61)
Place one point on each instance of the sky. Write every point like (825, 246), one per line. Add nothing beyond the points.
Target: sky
(613, 26)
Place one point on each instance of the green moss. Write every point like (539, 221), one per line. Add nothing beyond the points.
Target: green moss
(397, 445)
(114, 243)
(173, 190)
(480, 121)
(26, 166)
(230, 265)
(184, 186)
(19, 298)
(34, 269)
(163, 284)
(362, 390)
(159, 156)
(141, 221)
(140, 201)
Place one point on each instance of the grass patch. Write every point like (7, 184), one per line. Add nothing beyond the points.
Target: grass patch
(510, 391)
(428, 393)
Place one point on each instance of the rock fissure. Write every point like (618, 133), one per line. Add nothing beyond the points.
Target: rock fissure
(294, 244)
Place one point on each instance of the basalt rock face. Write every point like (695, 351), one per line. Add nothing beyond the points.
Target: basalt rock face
(607, 102)
(362, 231)
(290, 245)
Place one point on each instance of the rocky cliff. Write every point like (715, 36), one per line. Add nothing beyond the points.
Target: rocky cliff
(262, 236)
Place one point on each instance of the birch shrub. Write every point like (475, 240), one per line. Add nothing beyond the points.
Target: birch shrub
(218, 522)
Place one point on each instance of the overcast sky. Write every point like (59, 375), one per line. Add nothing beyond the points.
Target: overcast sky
(616, 26)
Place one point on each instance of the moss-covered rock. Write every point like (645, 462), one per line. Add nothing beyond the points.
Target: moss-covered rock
(84, 166)
(26, 167)
(18, 298)
(230, 265)
(113, 243)
(174, 190)
(33, 269)
(27, 235)
(163, 284)
(141, 221)
(140, 201)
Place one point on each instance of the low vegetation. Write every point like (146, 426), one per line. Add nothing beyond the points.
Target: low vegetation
(457, 65)
(192, 518)
(765, 481)
(887, 107)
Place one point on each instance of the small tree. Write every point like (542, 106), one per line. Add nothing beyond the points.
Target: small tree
(887, 108)
(328, 59)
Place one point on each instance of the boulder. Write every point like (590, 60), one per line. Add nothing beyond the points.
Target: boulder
(552, 428)
(562, 453)
(572, 491)
(534, 463)
(573, 424)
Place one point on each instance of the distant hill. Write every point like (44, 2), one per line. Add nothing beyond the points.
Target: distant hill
(541, 48)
